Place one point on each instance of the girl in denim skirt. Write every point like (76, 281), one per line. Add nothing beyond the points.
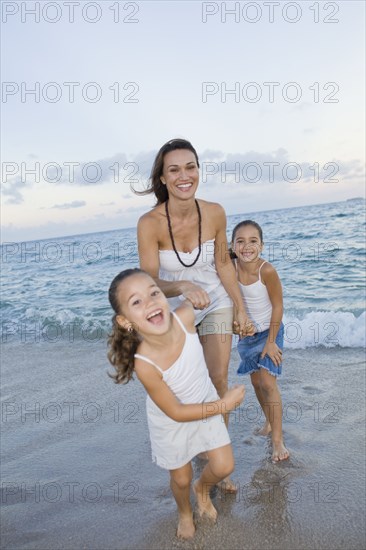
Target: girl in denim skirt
(261, 354)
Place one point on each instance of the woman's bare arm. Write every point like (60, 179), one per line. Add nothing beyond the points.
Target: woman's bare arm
(226, 271)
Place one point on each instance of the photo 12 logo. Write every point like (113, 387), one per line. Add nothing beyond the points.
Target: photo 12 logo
(270, 12)
(68, 491)
(270, 92)
(71, 412)
(278, 492)
(70, 12)
(69, 92)
(269, 172)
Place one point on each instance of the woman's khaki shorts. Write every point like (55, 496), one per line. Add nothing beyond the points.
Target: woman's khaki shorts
(219, 321)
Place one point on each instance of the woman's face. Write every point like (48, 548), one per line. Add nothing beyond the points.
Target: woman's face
(180, 174)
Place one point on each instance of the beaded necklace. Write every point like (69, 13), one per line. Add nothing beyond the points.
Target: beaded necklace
(199, 235)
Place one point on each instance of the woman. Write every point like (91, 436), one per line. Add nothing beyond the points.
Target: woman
(182, 245)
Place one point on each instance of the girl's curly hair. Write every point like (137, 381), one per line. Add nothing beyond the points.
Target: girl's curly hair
(122, 342)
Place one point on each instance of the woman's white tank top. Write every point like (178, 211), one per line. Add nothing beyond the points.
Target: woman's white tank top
(203, 274)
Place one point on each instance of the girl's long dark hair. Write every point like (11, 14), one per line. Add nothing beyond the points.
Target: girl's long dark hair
(122, 343)
(155, 185)
(244, 223)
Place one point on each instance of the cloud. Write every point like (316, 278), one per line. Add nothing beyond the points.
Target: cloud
(217, 169)
(67, 205)
(79, 172)
(11, 188)
(143, 208)
(98, 172)
(134, 171)
(15, 196)
(303, 106)
(211, 153)
(255, 168)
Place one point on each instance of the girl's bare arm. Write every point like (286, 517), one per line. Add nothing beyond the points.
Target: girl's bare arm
(165, 399)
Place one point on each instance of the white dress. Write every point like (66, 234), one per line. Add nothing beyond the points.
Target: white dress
(203, 274)
(174, 444)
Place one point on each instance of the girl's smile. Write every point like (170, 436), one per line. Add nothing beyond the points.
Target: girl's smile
(156, 317)
(247, 244)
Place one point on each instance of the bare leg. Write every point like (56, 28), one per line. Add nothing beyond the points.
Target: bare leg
(256, 381)
(180, 483)
(273, 411)
(217, 349)
(220, 465)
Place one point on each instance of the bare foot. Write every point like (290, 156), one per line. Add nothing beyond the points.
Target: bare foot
(204, 503)
(279, 451)
(265, 430)
(186, 528)
(227, 486)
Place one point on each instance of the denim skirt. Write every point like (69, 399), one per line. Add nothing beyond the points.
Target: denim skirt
(250, 349)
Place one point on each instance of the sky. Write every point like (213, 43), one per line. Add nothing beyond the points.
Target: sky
(271, 95)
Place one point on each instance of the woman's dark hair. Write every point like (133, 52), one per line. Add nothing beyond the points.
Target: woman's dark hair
(155, 185)
(244, 223)
(122, 343)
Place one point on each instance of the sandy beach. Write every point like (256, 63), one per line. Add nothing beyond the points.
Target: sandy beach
(77, 472)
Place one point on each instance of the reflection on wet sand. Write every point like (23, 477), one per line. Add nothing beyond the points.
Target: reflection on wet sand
(314, 500)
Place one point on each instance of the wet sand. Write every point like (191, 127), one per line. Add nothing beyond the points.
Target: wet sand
(77, 471)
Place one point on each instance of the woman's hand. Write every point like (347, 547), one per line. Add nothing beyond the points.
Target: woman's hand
(243, 325)
(195, 294)
(233, 397)
(273, 351)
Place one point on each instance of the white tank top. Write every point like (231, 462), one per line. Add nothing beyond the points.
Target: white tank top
(203, 274)
(257, 302)
(188, 376)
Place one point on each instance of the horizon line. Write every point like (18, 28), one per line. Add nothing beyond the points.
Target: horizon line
(134, 227)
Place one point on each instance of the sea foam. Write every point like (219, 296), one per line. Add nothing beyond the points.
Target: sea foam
(325, 328)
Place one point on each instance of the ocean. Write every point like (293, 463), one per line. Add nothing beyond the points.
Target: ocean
(76, 459)
(56, 289)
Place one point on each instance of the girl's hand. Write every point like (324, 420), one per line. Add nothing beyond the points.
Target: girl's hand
(273, 351)
(236, 328)
(195, 294)
(243, 325)
(233, 397)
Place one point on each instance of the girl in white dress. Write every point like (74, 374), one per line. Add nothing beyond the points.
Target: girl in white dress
(184, 410)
